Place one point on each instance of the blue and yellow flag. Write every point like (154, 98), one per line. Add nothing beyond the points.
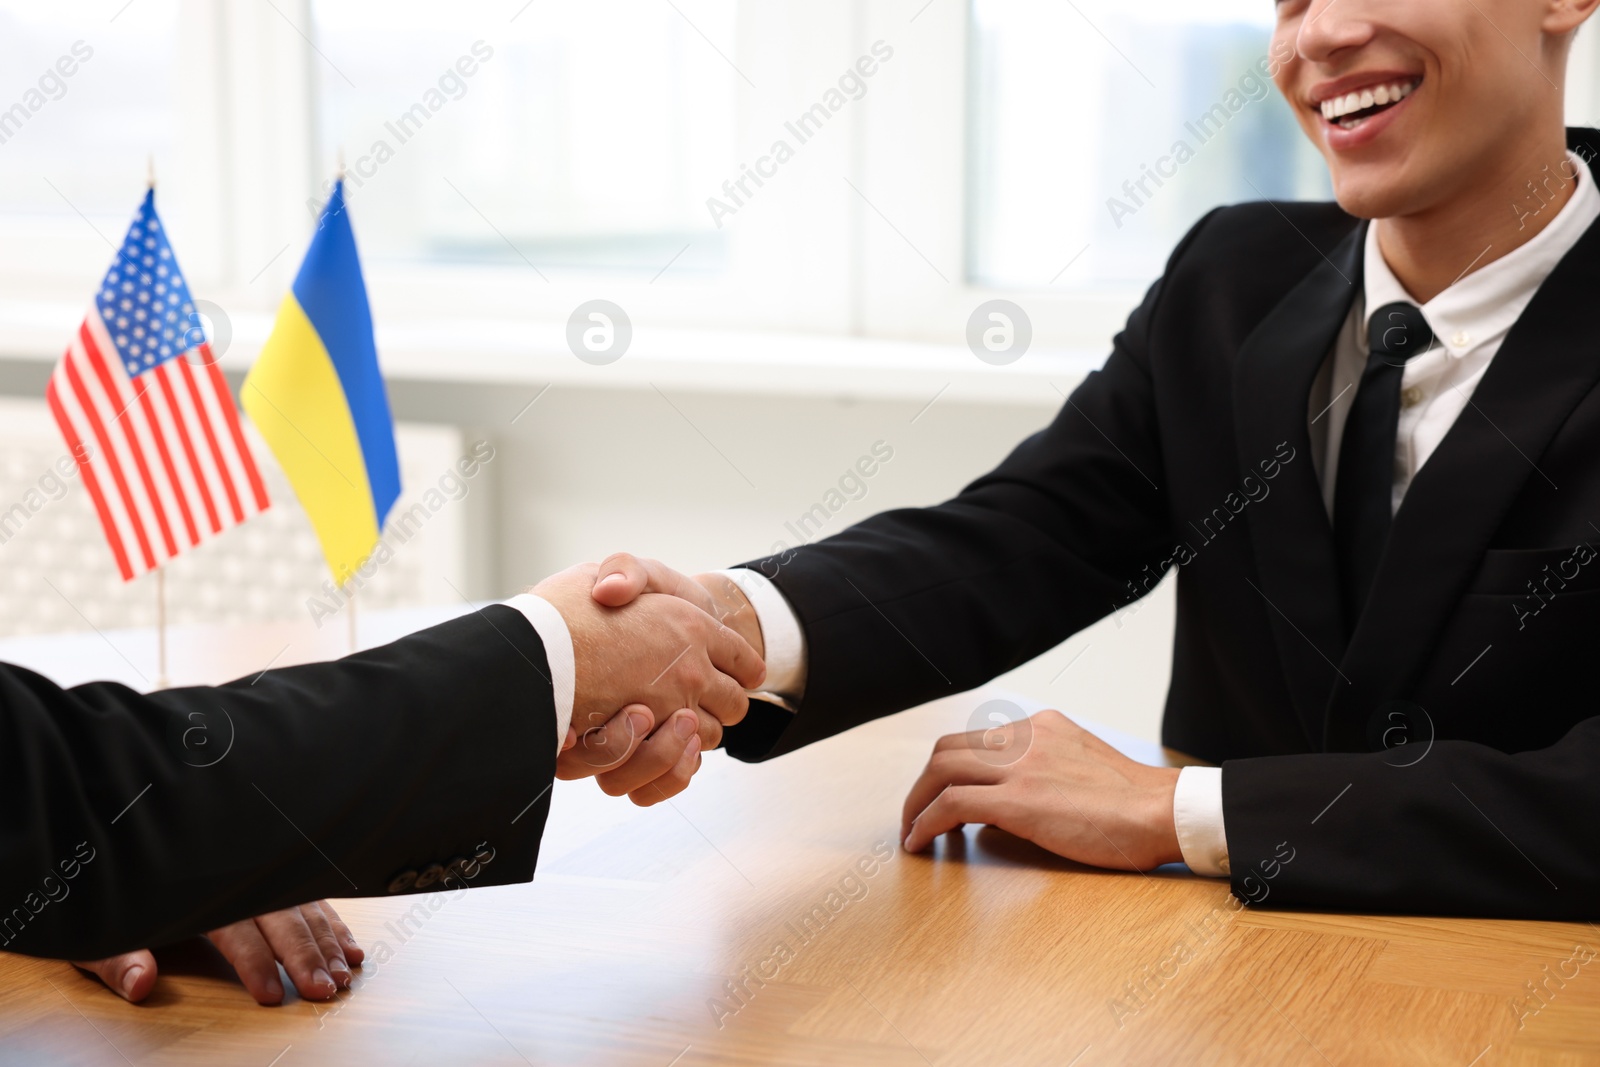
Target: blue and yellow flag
(317, 396)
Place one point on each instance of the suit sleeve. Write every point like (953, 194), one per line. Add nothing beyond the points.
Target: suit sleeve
(919, 603)
(1464, 830)
(132, 820)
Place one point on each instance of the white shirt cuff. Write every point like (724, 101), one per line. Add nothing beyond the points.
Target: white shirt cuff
(552, 630)
(785, 641)
(1197, 811)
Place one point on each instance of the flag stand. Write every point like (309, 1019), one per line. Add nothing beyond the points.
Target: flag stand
(161, 572)
(350, 615)
(161, 628)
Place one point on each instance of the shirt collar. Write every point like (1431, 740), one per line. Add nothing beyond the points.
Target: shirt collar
(1485, 303)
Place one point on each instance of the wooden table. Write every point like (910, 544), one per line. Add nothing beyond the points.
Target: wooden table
(766, 916)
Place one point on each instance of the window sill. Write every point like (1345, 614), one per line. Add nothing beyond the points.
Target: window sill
(492, 353)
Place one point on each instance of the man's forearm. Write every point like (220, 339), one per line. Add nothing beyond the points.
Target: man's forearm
(327, 779)
(1464, 829)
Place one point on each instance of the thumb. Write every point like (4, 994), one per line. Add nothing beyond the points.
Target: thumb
(621, 578)
(131, 975)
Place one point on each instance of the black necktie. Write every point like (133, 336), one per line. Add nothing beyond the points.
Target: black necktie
(1363, 492)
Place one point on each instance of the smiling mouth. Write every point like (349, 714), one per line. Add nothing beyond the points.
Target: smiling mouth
(1352, 109)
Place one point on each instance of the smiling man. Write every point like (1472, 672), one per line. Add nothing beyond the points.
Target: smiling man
(1392, 653)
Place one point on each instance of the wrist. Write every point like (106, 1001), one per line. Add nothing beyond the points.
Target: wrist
(1162, 819)
(733, 609)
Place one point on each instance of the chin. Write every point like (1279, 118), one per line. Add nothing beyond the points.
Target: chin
(1376, 193)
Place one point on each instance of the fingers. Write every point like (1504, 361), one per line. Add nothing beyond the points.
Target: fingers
(131, 975)
(721, 696)
(710, 731)
(311, 940)
(327, 943)
(353, 952)
(674, 781)
(622, 577)
(656, 757)
(733, 656)
(606, 746)
(314, 944)
(953, 809)
(295, 945)
(949, 766)
(253, 960)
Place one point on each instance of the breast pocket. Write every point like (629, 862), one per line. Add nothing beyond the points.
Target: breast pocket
(1553, 571)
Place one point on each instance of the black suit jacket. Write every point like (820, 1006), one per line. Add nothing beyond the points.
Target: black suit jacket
(1478, 649)
(128, 820)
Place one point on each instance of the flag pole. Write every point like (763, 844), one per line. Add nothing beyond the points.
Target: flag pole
(161, 628)
(161, 572)
(350, 616)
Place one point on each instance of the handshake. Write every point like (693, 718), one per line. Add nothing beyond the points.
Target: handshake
(661, 661)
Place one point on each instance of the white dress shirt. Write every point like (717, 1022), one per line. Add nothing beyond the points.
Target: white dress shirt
(1469, 321)
(552, 630)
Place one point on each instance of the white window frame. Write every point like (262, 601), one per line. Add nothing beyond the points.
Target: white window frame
(862, 235)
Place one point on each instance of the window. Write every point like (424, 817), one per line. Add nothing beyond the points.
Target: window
(572, 136)
(83, 105)
(1026, 149)
(1106, 130)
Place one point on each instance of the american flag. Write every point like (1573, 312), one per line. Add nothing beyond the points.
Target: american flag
(146, 411)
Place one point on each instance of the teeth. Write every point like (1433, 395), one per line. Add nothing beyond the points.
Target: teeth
(1339, 106)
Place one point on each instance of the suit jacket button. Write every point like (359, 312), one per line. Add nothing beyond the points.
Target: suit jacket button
(430, 874)
(463, 869)
(403, 881)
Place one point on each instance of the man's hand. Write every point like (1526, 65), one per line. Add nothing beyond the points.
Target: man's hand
(626, 758)
(660, 651)
(677, 674)
(1051, 781)
(623, 755)
(312, 942)
(623, 577)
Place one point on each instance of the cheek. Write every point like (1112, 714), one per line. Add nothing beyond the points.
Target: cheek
(1283, 57)
(1289, 80)
(1287, 74)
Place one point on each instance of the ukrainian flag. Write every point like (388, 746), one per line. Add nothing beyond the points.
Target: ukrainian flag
(317, 396)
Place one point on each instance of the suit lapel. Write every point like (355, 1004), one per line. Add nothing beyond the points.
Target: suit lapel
(1460, 496)
(1296, 570)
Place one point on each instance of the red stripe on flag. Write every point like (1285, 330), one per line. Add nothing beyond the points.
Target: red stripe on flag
(231, 414)
(160, 375)
(98, 364)
(75, 380)
(90, 482)
(211, 439)
(156, 432)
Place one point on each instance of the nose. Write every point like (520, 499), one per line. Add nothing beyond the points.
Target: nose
(1331, 26)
